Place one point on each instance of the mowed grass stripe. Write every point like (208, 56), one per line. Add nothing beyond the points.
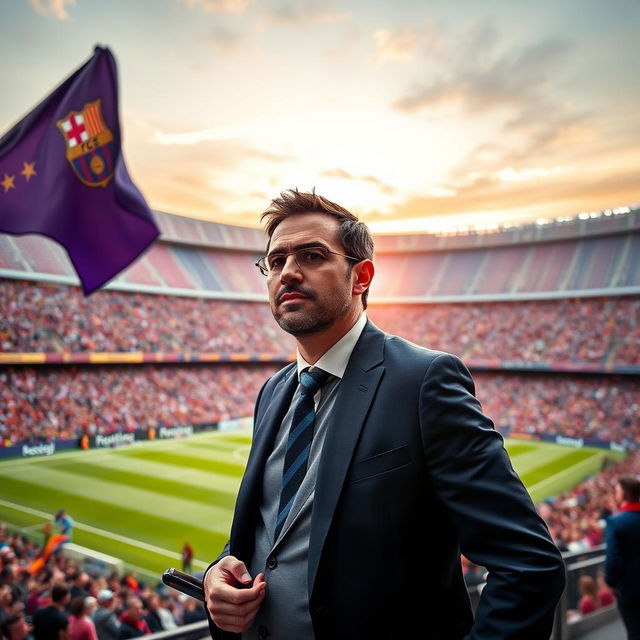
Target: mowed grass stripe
(179, 510)
(235, 469)
(154, 529)
(162, 486)
(518, 449)
(558, 465)
(531, 460)
(219, 445)
(191, 477)
(239, 439)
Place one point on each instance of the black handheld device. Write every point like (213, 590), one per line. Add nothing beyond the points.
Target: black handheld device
(184, 582)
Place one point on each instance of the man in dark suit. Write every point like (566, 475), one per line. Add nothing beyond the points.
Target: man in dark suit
(622, 565)
(403, 471)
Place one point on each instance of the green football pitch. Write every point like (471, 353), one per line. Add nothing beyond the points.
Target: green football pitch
(141, 502)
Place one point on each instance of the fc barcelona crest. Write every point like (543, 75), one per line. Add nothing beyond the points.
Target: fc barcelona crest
(90, 146)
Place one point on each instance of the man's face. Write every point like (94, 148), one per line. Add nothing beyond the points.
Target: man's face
(19, 629)
(306, 301)
(619, 494)
(136, 610)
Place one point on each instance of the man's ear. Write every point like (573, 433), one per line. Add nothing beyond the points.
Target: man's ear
(364, 275)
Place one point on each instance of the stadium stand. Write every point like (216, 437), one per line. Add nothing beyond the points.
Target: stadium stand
(44, 403)
(569, 332)
(547, 316)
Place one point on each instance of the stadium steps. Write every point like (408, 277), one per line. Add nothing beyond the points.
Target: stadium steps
(622, 262)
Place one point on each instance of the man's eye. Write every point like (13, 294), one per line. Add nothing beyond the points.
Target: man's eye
(312, 255)
(276, 262)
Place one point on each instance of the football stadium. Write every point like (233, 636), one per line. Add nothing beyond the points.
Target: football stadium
(131, 409)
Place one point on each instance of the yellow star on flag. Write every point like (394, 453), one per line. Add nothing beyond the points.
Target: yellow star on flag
(7, 183)
(29, 170)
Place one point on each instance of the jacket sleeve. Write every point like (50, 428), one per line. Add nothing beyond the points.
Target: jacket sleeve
(496, 521)
(613, 560)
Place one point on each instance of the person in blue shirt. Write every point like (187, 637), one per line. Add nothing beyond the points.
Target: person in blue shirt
(65, 524)
(622, 564)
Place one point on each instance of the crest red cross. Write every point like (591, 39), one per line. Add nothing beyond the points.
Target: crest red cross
(76, 130)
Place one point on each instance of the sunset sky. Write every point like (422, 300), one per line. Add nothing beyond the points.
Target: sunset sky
(417, 115)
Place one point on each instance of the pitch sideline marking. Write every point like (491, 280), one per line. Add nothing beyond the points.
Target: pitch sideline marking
(104, 533)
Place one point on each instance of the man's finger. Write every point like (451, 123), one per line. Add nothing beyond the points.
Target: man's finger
(236, 568)
(245, 609)
(231, 594)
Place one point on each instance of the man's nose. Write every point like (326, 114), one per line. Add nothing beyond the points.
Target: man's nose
(291, 270)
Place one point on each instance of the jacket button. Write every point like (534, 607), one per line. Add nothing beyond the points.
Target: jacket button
(272, 563)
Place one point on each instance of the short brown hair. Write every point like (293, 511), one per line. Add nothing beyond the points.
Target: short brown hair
(630, 488)
(354, 235)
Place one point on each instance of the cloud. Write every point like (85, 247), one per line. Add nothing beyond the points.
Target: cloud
(396, 45)
(220, 6)
(342, 174)
(57, 8)
(301, 12)
(478, 78)
(407, 43)
(225, 39)
(555, 194)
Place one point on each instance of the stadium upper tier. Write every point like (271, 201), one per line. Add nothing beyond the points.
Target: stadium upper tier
(582, 334)
(594, 256)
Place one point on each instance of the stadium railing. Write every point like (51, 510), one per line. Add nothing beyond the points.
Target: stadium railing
(193, 631)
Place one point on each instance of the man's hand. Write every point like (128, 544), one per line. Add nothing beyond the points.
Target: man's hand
(231, 599)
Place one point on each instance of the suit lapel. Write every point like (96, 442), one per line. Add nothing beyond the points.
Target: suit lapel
(357, 390)
(264, 433)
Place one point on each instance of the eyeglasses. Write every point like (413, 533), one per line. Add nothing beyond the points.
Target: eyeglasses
(309, 259)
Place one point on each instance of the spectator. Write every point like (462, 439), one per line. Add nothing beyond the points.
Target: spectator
(193, 611)
(80, 584)
(51, 622)
(187, 557)
(15, 627)
(589, 598)
(105, 620)
(165, 611)
(65, 524)
(622, 564)
(152, 617)
(133, 624)
(81, 626)
(605, 594)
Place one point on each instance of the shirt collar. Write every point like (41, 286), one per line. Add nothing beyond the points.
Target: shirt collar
(630, 506)
(336, 359)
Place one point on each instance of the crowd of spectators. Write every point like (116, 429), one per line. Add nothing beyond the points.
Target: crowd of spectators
(602, 407)
(39, 404)
(46, 403)
(89, 605)
(53, 318)
(577, 518)
(559, 332)
(36, 317)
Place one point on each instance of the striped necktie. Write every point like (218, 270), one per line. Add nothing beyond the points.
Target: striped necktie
(299, 442)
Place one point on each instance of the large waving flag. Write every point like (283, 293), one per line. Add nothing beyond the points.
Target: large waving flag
(62, 175)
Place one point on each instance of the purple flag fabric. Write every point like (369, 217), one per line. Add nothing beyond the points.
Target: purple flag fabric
(62, 175)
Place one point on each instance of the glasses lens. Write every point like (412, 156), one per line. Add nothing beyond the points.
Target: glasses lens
(307, 258)
(262, 265)
(311, 257)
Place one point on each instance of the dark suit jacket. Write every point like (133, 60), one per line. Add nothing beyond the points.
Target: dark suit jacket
(411, 472)
(622, 566)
